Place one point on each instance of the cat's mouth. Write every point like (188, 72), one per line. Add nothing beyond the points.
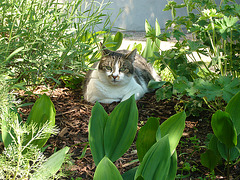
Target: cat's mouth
(115, 80)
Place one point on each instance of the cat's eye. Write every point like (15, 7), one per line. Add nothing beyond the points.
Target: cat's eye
(108, 68)
(122, 69)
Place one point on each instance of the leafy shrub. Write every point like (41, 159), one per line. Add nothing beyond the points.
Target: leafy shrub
(111, 135)
(43, 40)
(214, 30)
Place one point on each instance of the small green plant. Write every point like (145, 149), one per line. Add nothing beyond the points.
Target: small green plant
(111, 135)
(22, 157)
(225, 142)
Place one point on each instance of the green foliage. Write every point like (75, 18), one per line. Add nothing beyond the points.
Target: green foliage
(111, 136)
(174, 127)
(51, 165)
(113, 42)
(214, 30)
(42, 112)
(42, 40)
(22, 157)
(225, 143)
(107, 170)
(156, 162)
(152, 44)
(146, 137)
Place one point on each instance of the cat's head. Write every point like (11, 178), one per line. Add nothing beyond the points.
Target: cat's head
(117, 67)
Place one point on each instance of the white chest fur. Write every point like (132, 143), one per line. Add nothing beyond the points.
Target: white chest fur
(99, 89)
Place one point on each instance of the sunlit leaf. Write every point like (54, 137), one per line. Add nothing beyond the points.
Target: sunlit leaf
(223, 128)
(106, 170)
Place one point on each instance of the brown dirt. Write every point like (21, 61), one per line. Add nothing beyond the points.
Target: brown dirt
(72, 117)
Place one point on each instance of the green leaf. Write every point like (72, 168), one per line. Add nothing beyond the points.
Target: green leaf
(52, 165)
(223, 128)
(173, 127)
(146, 137)
(213, 146)
(7, 131)
(173, 167)
(156, 162)
(231, 153)
(157, 42)
(14, 53)
(165, 92)
(209, 159)
(120, 129)
(233, 108)
(129, 175)
(96, 128)
(107, 170)
(152, 84)
(113, 42)
(43, 111)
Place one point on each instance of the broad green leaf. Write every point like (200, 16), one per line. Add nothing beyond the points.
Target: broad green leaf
(158, 134)
(52, 165)
(120, 129)
(118, 39)
(96, 128)
(209, 159)
(146, 137)
(173, 167)
(223, 128)
(43, 112)
(213, 146)
(156, 162)
(233, 108)
(155, 84)
(173, 127)
(107, 170)
(231, 153)
(129, 175)
(113, 42)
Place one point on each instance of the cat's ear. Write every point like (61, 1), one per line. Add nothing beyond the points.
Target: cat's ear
(104, 50)
(131, 55)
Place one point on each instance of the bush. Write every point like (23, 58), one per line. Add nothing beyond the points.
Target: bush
(43, 40)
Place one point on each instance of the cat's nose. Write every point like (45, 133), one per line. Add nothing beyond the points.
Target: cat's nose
(114, 77)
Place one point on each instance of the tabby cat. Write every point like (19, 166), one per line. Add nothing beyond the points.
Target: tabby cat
(117, 76)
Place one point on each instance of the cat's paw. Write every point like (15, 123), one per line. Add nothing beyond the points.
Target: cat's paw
(109, 101)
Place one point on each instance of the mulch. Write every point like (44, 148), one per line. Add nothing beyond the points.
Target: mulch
(72, 117)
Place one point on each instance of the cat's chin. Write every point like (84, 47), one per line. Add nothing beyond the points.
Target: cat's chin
(115, 82)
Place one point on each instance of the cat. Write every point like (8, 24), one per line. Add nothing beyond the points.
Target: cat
(117, 76)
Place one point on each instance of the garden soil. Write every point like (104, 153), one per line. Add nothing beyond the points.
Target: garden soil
(72, 118)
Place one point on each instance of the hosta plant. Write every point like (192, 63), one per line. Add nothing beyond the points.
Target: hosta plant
(110, 136)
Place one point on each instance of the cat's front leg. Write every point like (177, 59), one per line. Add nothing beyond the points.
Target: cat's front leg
(108, 101)
(138, 95)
